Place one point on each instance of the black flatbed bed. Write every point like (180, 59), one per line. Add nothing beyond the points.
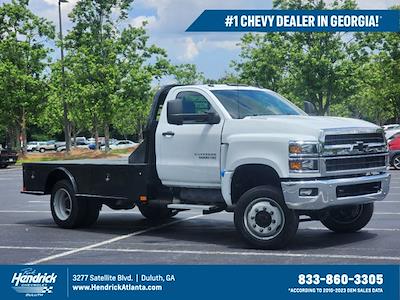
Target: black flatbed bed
(106, 179)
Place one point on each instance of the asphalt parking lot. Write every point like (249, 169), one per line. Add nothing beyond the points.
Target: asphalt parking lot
(28, 235)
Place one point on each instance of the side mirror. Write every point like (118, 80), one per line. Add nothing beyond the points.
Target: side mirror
(174, 112)
(176, 115)
(309, 108)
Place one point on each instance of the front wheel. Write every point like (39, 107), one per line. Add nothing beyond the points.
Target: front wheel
(348, 218)
(396, 161)
(263, 219)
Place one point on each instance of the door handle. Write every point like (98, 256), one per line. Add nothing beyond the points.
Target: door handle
(168, 133)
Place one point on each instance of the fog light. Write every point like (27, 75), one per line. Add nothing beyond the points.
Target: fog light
(308, 192)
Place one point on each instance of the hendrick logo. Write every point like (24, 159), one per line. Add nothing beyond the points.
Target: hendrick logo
(31, 283)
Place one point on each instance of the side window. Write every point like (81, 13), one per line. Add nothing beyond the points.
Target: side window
(194, 103)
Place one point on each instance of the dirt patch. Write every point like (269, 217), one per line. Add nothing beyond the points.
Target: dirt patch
(74, 154)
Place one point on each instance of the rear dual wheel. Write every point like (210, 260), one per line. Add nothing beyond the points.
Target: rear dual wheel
(69, 211)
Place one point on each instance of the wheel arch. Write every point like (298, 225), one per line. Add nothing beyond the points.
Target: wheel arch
(248, 176)
(56, 175)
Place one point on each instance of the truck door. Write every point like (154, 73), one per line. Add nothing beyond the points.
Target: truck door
(189, 154)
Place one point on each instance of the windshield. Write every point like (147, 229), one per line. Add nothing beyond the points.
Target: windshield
(245, 103)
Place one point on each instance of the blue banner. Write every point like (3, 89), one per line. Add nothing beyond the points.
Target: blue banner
(297, 20)
(200, 282)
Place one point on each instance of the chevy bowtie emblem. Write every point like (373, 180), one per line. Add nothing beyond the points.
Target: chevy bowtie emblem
(361, 147)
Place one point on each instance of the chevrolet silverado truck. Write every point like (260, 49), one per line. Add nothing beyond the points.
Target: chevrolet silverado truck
(7, 157)
(230, 148)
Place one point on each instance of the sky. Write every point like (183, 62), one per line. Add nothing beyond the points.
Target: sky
(168, 20)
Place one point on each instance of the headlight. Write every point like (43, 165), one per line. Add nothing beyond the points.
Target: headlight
(303, 148)
(303, 165)
(303, 156)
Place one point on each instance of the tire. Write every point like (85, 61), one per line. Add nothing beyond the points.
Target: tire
(396, 161)
(263, 219)
(67, 210)
(156, 213)
(92, 212)
(3, 166)
(42, 150)
(348, 219)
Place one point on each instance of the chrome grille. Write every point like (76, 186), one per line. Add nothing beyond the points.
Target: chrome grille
(355, 163)
(348, 151)
(343, 139)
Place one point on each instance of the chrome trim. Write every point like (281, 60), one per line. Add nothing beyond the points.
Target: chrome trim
(302, 157)
(348, 130)
(352, 171)
(102, 197)
(373, 149)
(305, 171)
(354, 156)
(350, 149)
(352, 145)
(327, 192)
(300, 142)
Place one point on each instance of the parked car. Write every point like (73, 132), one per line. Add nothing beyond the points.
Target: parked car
(79, 145)
(391, 132)
(101, 141)
(7, 157)
(81, 142)
(41, 146)
(394, 151)
(390, 126)
(123, 144)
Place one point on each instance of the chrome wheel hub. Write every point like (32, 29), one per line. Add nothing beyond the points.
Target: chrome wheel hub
(62, 204)
(264, 218)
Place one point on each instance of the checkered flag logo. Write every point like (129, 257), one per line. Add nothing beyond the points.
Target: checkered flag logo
(48, 290)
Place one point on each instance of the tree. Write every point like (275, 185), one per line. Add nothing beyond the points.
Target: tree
(112, 67)
(263, 60)
(23, 60)
(187, 74)
(378, 95)
(316, 67)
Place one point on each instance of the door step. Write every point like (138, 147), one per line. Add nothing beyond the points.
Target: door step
(207, 209)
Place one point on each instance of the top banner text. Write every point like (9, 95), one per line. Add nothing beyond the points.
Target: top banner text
(297, 20)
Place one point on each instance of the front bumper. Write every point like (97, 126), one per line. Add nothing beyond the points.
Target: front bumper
(327, 192)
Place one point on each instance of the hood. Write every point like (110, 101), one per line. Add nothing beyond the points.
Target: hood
(306, 126)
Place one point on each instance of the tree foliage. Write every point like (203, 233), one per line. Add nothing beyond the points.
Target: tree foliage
(23, 60)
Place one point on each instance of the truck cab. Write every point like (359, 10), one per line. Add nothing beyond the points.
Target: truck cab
(252, 152)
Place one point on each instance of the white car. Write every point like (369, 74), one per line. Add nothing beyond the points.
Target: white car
(41, 146)
(123, 144)
(390, 126)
